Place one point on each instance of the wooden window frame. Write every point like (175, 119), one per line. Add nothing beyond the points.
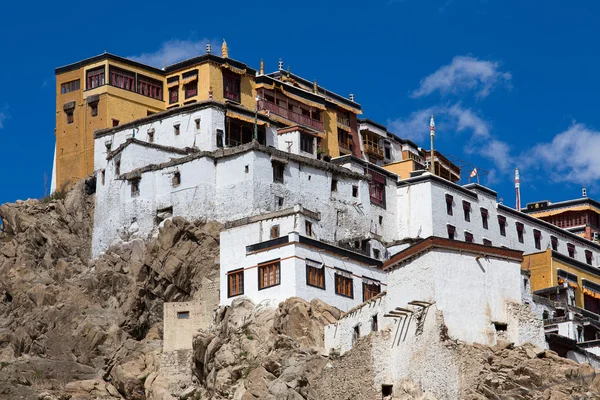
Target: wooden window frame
(469, 238)
(95, 77)
(449, 201)
(377, 189)
(368, 293)
(487, 242)
(307, 144)
(264, 274)
(70, 86)
(232, 283)
(589, 257)
(315, 275)
(121, 78)
(232, 86)
(502, 225)
(537, 239)
(274, 234)
(467, 210)
(571, 250)
(451, 232)
(554, 243)
(349, 283)
(70, 113)
(484, 218)
(520, 231)
(278, 171)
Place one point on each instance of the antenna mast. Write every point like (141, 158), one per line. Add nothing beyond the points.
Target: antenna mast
(518, 189)
(432, 154)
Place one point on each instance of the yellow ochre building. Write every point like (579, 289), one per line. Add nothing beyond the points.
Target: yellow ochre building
(106, 90)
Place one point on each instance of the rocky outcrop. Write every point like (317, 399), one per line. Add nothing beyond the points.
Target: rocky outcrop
(90, 329)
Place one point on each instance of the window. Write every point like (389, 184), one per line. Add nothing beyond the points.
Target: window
(377, 188)
(449, 200)
(190, 83)
(571, 250)
(308, 228)
(376, 254)
(176, 129)
(235, 283)
(103, 176)
(149, 87)
(334, 184)
(150, 136)
(268, 275)
(231, 86)
(115, 122)
(278, 169)
(135, 187)
(468, 237)
(70, 118)
(588, 257)
(354, 191)
(451, 232)
(502, 224)
(173, 94)
(370, 289)
(94, 109)
(95, 77)
(246, 169)
(118, 167)
(177, 178)
(219, 138)
(554, 242)
(355, 334)
(306, 143)
(278, 202)
(69, 87)
(388, 152)
(380, 220)
(197, 121)
(467, 210)
(487, 242)
(374, 324)
(537, 239)
(484, 218)
(520, 229)
(315, 274)
(344, 285)
(183, 315)
(121, 78)
(274, 231)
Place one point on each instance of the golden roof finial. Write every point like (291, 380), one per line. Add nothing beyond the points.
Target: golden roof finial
(262, 66)
(224, 51)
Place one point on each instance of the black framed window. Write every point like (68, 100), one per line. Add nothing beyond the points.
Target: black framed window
(449, 200)
(467, 210)
(520, 230)
(484, 218)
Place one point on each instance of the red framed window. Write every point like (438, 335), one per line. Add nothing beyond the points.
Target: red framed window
(235, 283)
(554, 242)
(149, 87)
(451, 232)
(484, 218)
(449, 200)
(502, 225)
(467, 210)
(121, 78)
(520, 230)
(468, 237)
(571, 250)
(589, 257)
(537, 239)
(377, 188)
(268, 275)
(231, 86)
(370, 289)
(173, 94)
(95, 77)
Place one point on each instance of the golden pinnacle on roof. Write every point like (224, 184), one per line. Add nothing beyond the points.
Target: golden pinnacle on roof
(262, 67)
(315, 87)
(224, 51)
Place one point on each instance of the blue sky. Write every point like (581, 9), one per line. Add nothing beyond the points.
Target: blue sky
(512, 83)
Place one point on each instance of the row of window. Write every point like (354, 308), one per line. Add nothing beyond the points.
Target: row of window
(537, 239)
(126, 80)
(269, 275)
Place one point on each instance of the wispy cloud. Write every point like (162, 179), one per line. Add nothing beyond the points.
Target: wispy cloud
(464, 73)
(3, 117)
(173, 51)
(415, 126)
(571, 156)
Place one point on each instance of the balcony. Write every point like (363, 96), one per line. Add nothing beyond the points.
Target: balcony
(292, 116)
(372, 150)
(345, 146)
(343, 120)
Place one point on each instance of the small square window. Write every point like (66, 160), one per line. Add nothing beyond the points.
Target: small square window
(115, 122)
(278, 171)
(94, 109)
(451, 232)
(150, 137)
(354, 191)
(247, 169)
(177, 179)
(70, 117)
(376, 254)
(380, 220)
(334, 185)
(274, 231)
(135, 187)
(308, 228)
(176, 129)
(487, 242)
(183, 315)
(468, 237)
(197, 121)
(278, 202)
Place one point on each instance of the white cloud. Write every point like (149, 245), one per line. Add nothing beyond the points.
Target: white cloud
(462, 74)
(571, 156)
(3, 118)
(467, 119)
(173, 51)
(414, 127)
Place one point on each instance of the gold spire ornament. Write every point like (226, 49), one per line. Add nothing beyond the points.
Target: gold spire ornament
(224, 51)
(262, 66)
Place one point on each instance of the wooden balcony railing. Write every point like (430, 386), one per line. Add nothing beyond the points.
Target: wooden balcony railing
(292, 116)
(345, 145)
(373, 150)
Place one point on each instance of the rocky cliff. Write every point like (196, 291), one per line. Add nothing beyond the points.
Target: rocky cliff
(71, 328)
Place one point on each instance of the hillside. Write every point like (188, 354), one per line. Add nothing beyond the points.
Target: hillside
(71, 328)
